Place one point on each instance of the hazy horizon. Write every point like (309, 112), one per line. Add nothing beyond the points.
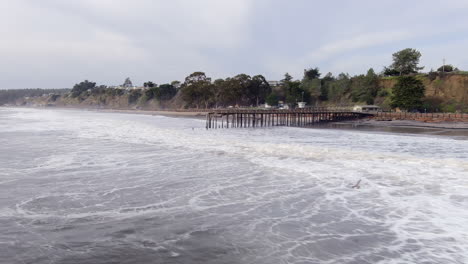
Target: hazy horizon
(55, 44)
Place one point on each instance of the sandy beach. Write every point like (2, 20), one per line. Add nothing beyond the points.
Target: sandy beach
(411, 123)
(393, 126)
(361, 122)
(171, 113)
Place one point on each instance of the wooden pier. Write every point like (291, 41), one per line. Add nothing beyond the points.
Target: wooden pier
(240, 118)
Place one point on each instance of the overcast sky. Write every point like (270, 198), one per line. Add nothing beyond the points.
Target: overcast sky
(57, 43)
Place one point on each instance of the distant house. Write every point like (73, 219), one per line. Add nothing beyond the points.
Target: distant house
(274, 83)
(366, 108)
(138, 88)
(176, 84)
(301, 104)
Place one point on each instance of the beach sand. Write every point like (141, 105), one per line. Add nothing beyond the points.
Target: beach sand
(368, 124)
(411, 123)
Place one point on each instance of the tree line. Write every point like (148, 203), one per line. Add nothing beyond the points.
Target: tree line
(12, 95)
(241, 90)
(199, 90)
(163, 92)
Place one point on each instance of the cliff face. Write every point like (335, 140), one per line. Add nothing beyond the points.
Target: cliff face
(443, 92)
(447, 88)
(108, 101)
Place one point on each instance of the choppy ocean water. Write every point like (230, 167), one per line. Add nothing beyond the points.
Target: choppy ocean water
(94, 187)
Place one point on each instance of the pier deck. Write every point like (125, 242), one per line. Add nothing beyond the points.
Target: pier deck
(245, 118)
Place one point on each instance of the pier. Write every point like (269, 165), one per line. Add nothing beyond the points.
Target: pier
(245, 118)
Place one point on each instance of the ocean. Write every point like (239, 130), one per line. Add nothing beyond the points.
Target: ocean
(97, 187)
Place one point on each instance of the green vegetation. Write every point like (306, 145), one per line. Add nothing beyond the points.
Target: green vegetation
(389, 77)
(447, 68)
(162, 92)
(383, 93)
(272, 100)
(133, 96)
(337, 88)
(127, 83)
(82, 87)
(199, 90)
(408, 93)
(365, 87)
(242, 90)
(437, 104)
(12, 95)
(404, 62)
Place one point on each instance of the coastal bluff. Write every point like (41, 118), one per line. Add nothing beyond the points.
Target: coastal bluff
(446, 92)
(440, 88)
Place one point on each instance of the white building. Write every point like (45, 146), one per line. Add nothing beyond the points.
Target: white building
(366, 108)
(274, 83)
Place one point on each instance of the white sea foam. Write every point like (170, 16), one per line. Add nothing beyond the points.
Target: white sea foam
(286, 189)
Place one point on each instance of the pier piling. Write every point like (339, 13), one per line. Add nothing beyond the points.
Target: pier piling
(243, 118)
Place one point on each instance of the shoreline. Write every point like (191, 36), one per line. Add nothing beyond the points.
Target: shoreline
(408, 124)
(168, 113)
(457, 130)
(362, 124)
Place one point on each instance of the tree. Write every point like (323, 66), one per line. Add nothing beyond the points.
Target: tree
(311, 84)
(311, 74)
(339, 87)
(259, 89)
(272, 99)
(446, 68)
(166, 92)
(406, 61)
(81, 87)
(294, 93)
(371, 84)
(133, 96)
(197, 90)
(287, 78)
(408, 93)
(364, 88)
(127, 83)
(358, 89)
(218, 86)
(11, 96)
(229, 91)
(149, 84)
(241, 88)
(285, 87)
(325, 86)
(390, 72)
(152, 92)
(312, 88)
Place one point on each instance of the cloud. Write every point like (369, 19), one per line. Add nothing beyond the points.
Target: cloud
(336, 54)
(358, 42)
(130, 38)
(56, 43)
(199, 23)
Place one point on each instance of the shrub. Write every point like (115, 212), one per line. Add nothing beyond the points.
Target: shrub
(133, 96)
(383, 93)
(272, 99)
(446, 68)
(432, 75)
(408, 93)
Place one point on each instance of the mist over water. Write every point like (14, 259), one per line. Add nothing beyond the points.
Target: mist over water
(94, 187)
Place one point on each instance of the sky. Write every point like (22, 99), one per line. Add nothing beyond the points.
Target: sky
(57, 43)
